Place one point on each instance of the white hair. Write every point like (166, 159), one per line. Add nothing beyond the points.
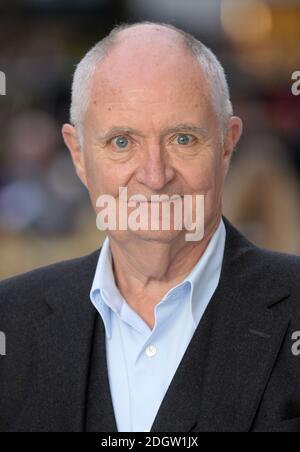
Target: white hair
(207, 60)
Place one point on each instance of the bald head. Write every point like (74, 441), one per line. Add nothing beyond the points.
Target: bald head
(144, 52)
(148, 59)
(148, 49)
(150, 33)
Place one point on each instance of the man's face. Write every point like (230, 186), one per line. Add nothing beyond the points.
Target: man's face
(151, 127)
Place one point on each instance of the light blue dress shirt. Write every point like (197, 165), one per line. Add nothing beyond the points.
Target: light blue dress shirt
(142, 362)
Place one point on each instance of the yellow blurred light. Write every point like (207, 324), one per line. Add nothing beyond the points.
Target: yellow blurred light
(246, 22)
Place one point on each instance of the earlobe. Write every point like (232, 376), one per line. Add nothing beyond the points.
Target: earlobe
(71, 140)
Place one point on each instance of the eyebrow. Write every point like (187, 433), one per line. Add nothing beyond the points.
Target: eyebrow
(178, 128)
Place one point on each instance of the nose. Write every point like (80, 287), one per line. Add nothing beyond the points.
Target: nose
(155, 170)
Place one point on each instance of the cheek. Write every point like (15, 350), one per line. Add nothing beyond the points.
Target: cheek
(104, 178)
(97, 178)
(203, 175)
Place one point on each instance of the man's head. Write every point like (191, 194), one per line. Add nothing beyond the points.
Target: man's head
(151, 112)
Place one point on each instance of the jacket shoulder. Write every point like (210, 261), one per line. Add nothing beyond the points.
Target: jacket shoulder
(258, 263)
(30, 286)
(275, 263)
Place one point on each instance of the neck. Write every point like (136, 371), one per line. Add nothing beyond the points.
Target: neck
(145, 268)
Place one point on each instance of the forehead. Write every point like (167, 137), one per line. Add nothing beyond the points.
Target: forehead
(146, 75)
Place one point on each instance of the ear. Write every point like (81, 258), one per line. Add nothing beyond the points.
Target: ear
(232, 137)
(72, 142)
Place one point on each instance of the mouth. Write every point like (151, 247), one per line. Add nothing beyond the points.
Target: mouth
(137, 198)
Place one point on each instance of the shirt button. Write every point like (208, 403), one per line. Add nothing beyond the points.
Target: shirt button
(151, 351)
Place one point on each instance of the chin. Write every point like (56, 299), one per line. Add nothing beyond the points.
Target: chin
(157, 236)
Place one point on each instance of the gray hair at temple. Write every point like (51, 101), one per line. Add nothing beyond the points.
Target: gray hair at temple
(206, 58)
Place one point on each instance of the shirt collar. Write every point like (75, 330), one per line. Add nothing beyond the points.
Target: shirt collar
(204, 277)
(202, 280)
(105, 294)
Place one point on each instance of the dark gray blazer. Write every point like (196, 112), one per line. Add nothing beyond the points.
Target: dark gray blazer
(239, 373)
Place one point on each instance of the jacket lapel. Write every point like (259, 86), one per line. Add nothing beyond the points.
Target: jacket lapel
(220, 390)
(63, 335)
(243, 353)
(99, 407)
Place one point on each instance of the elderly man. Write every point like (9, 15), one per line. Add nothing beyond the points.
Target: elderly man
(155, 333)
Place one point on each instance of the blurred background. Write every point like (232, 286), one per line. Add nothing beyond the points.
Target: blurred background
(44, 211)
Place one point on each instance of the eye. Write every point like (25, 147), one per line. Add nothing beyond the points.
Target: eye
(184, 139)
(121, 142)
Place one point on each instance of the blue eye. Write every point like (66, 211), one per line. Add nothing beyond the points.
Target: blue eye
(122, 142)
(183, 140)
